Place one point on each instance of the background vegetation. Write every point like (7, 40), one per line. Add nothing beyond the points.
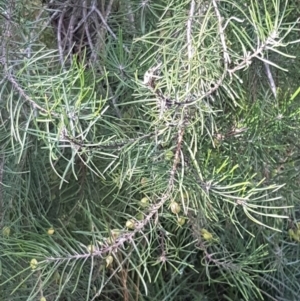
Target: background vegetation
(149, 150)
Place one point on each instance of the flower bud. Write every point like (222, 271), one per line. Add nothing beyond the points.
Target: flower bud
(175, 207)
(206, 235)
(91, 248)
(139, 216)
(115, 233)
(6, 231)
(130, 224)
(109, 260)
(33, 263)
(181, 221)
(144, 202)
(169, 155)
(50, 231)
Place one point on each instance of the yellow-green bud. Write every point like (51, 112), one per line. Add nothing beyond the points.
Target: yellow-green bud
(130, 224)
(169, 155)
(109, 260)
(50, 231)
(115, 233)
(181, 221)
(6, 231)
(91, 248)
(206, 235)
(33, 263)
(144, 202)
(175, 207)
(139, 216)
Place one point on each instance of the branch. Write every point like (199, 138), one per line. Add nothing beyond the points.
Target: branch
(189, 30)
(12, 80)
(139, 226)
(270, 78)
(222, 36)
(2, 159)
(94, 8)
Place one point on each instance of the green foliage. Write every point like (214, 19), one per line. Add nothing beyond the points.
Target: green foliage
(150, 154)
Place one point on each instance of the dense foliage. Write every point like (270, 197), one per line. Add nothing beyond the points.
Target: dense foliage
(149, 150)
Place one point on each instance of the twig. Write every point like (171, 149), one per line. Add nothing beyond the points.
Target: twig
(2, 159)
(176, 157)
(189, 40)
(86, 28)
(270, 78)
(85, 16)
(26, 97)
(130, 16)
(106, 26)
(116, 145)
(59, 40)
(70, 34)
(139, 226)
(104, 22)
(115, 104)
(108, 9)
(189, 30)
(222, 35)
